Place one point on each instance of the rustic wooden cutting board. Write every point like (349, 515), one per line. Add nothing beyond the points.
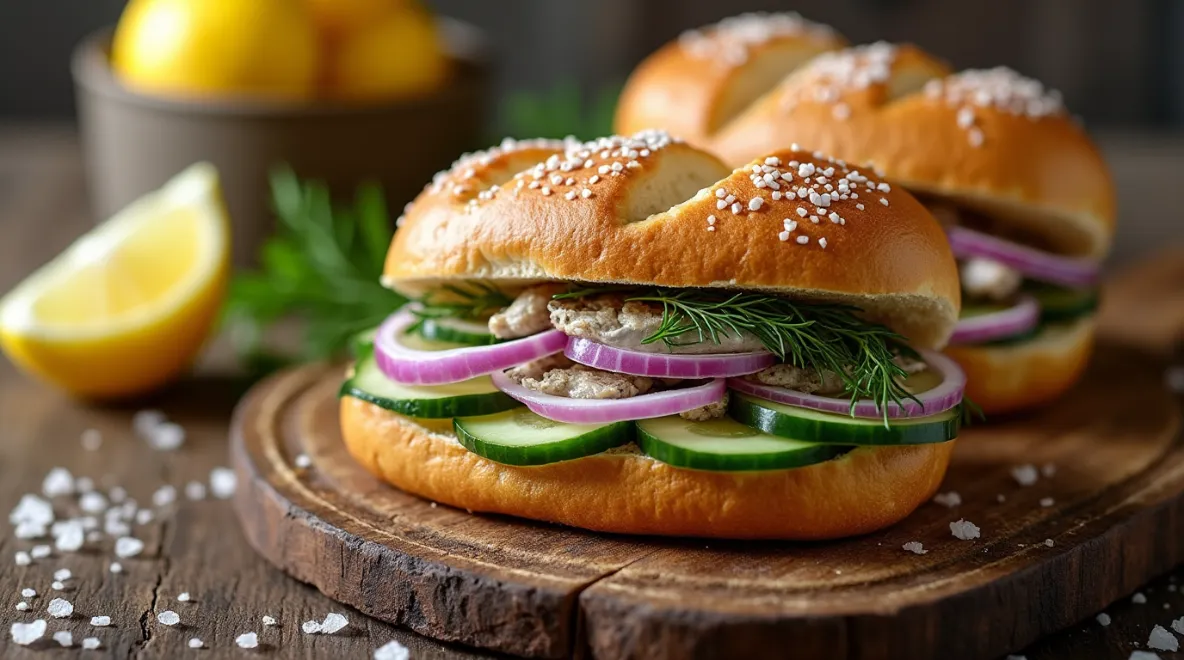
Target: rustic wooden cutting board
(1051, 554)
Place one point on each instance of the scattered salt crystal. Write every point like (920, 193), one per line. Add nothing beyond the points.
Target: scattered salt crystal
(58, 585)
(168, 618)
(333, 622)
(964, 530)
(195, 490)
(62, 574)
(1048, 470)
(69, 536)
(950, 499)
(1047, 502)
(94, 536)
(60, 608)
(22, 606)
(144, 516)
(22, 558)
(145, 421)
(1162, 640)
(28, 593)
(58, 482)
(29, 530)
(1178, 625)
(128, 547)
(91, 643)
(84, 484)
(1104, 619)
(1016, 657)
(184, 597)
(392, 651)
(64, 637)
(268, 620)
(92, 440)
(117, 495)
(223, 482)
(1138, 598)
(100, 621)
(164, 496)
(1025, 475)
(196, 643)
(24, 634)
(304, 461)
(247, 640)
(93, 502)
(915, 547)
(116, 567)
(1049, 542)
(311, 627)
(32, 509)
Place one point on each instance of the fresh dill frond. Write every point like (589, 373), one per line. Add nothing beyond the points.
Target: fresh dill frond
(322, 266)
(476, 301)
(808, 335)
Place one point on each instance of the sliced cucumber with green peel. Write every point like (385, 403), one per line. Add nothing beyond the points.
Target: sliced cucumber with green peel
(521, 437)
(476, 396)
(815, 426)
(466, 333)
(1061, 303)
(726, 445)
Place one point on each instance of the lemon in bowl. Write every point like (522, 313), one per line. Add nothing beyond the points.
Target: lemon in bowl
(127, 307)
(259, 48)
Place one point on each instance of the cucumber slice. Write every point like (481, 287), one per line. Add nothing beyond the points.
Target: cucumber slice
(466, 333)
(726, 445)
(1061, 303)
(520, 437)
(815, 426)
(476, 396)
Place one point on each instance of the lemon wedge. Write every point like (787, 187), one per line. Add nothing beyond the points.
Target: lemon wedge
(127, 307)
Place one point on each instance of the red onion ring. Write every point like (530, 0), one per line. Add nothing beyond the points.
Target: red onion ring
(1035, 264)
(1021, 318)
(660, 365)
(606, 411)
(413, 367)
(939, 399)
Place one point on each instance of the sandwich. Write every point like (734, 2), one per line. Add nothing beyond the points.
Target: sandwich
(1025, 198)
(626, 336)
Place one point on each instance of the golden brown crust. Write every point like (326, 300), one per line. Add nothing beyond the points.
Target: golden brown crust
(659, 222)
(695, 84)
(1026, 375)
(629, 493)
(988, 139)
(1041, 172)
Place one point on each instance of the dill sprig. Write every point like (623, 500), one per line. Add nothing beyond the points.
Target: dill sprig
(821, 336)
(476, 302)
(321, 266)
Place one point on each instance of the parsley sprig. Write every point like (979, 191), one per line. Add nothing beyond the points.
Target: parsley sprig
(322, 266)
(808, 335)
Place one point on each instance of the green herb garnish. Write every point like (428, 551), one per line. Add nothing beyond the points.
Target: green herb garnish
(323, 266)
(452, 301)
(821, 336)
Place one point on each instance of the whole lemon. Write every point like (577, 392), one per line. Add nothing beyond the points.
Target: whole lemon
(266, 48)
(338, 18)
(399, 56)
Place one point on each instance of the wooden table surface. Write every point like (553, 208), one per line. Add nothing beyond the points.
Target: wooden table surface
(196, 546)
